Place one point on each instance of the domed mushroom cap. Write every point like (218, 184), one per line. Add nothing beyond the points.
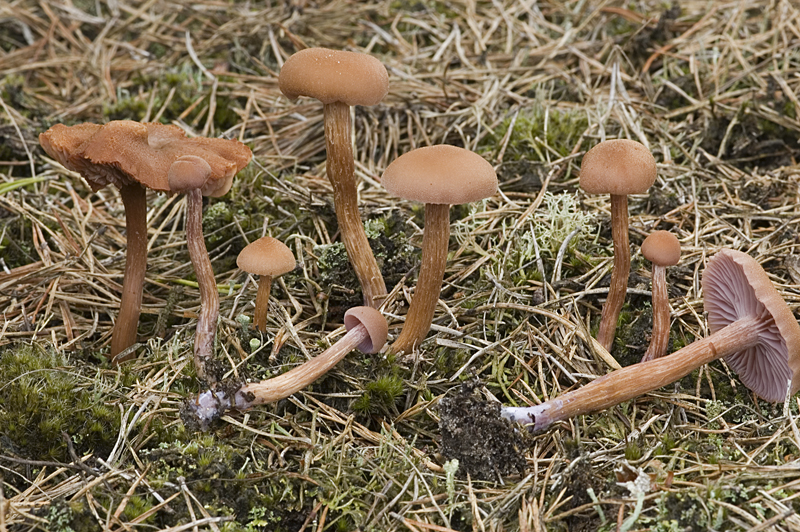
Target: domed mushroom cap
(334, 76)
(618, 167)
(188, 173)
(662, 248)
(440, 174)
(374, 322)
(266, 256)
(123, 152)
(735, 286)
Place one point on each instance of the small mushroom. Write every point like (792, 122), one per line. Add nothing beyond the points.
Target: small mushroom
(187, 176)
(751, 327)
(662, 249)
(266, 257)
(366, 331)
(438, 176)
(134, 157)
(617, 167)
(340, 80)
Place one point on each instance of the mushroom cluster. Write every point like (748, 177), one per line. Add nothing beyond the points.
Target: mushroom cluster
(751, 325)
(135, 157)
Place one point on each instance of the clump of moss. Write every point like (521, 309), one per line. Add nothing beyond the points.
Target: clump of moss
(540, 133)
(42, 396)
(232, 481)
(380, 395)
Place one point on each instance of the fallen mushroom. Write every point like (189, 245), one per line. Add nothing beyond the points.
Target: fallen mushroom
(662, 249)
(751, 327)
(438, 176)
(366, 331)
(266, 257)
(134, 157)
(617, 167)
(340, 80)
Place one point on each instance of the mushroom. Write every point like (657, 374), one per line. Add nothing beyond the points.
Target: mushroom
(662, 249)
(617, 167)
(134, 156)
(267, 257)
(189, 175)
(339, 80)
(751, 327)
(366, 331)
(438, 176)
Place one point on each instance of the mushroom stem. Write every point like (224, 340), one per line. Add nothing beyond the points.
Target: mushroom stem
(262, 302)
(210, 405)
(619, 273)
(660, 335)
(637, 379)
(209, 297)
(341, 173)
(435, 240)
(135, 203)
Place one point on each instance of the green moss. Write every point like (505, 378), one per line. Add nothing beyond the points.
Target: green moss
(43, 396)
(530, 140)
(632, 451)
(379, 395)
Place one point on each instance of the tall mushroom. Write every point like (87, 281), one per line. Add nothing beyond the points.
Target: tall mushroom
(266, 257)
(662, 249)
(134, 156)
(366, 331)
(340, 80)
(617, 167)
(751, 327)
(438, 176)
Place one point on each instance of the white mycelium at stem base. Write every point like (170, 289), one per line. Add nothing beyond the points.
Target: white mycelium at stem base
(751, 326)
(366, 330)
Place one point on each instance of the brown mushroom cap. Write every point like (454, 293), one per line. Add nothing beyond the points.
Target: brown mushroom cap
(618, 167)
(736, 286)
(188, 173)
(334, 76)
(266, 256)
(124, 152)
(64, 142)
(662, 248)
(373, 321)
(440, 174)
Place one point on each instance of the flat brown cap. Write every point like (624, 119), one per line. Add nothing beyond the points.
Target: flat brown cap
(373, 321)
(124, 152)
(266, 256)
(735, 286)
(662, 248)
(618, 167)
(440, 174)
(334, 76)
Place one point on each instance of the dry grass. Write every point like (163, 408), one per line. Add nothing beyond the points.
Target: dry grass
(712, 89)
